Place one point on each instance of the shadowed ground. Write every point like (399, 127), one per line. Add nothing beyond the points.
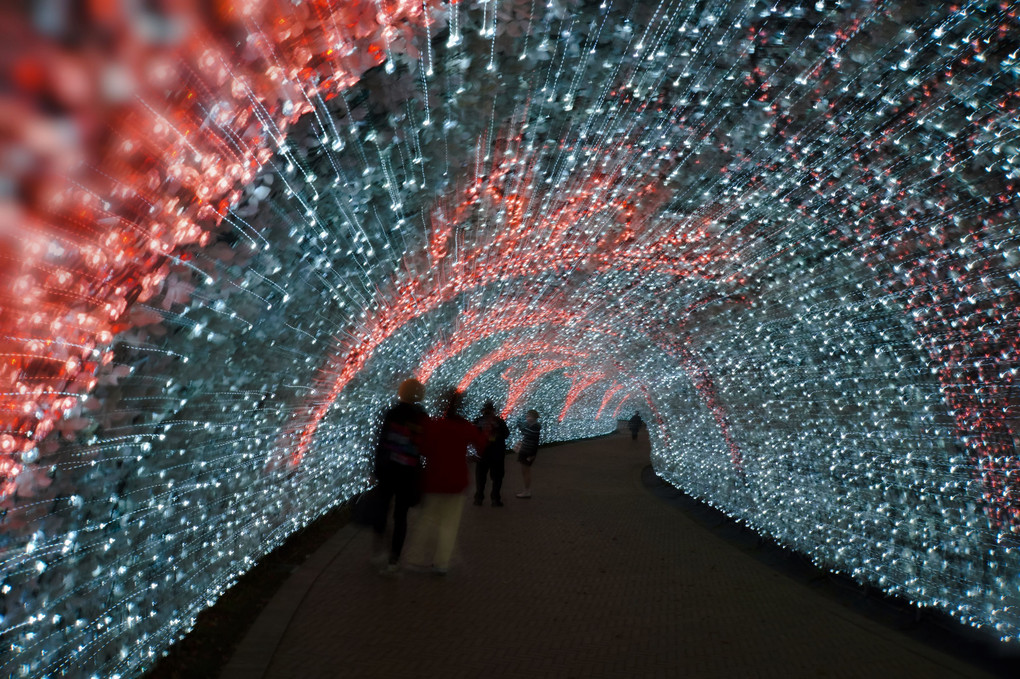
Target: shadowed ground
(594, 576)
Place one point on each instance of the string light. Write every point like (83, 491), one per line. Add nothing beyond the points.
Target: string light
(786, 232)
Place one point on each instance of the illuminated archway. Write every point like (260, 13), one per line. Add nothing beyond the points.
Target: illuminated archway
(789, 230)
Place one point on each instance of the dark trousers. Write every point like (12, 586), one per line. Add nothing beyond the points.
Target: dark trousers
(633, 434)
(491, 465)
(404, 492)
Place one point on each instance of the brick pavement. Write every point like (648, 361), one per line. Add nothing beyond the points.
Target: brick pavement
(593, 577)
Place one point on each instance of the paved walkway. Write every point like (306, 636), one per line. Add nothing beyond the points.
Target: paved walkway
(593, 577)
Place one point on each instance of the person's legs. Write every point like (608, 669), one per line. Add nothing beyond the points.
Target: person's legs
(403, 497)
(633, 434)
(380, 509)
(526, 477)
(481, 471)
(497, 468)
(526, 463)
(421, 543)
(449, 510)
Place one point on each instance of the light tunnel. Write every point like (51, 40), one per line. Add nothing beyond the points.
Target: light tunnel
(785, 232)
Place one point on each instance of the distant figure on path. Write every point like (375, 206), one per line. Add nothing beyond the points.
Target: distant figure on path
(398, 466)
(493, 459)
(635, 425)
(445, 448)
(530, 429)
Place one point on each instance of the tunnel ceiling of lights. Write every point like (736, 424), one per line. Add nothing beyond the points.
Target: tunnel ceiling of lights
(784, 232)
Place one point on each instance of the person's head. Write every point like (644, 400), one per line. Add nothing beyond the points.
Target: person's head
(531, 415)
(637, 414)
(452, 400)
(411, 391)
(488, 408)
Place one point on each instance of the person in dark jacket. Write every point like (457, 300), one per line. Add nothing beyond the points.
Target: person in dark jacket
(635, 425)
(398, 465)
(492, 459)
(445, 447)
(530, 429)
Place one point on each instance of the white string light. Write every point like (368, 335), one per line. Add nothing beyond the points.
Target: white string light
(786, 233)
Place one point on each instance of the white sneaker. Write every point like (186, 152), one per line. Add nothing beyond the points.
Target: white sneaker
(524, 494)
(391, 570)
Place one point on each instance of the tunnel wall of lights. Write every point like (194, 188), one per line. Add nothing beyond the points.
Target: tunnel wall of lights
(784, 232)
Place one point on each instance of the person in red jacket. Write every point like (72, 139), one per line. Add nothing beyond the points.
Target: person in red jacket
(445, 447)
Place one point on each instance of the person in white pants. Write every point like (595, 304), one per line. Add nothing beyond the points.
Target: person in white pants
(446, 445)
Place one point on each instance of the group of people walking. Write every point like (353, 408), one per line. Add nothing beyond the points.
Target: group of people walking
(420, 459)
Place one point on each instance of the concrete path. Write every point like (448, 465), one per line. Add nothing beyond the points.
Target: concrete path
(593, 577)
